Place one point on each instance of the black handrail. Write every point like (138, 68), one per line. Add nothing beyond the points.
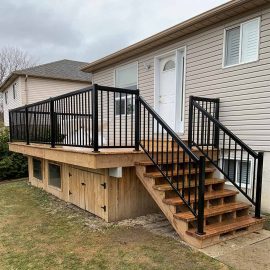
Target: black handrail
(181, 168)
(241, 165)
(95, 117)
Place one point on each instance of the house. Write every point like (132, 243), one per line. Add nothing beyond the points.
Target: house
(33, 84)
(192, 101)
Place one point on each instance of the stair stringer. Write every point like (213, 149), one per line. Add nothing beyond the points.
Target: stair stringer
(180, 226)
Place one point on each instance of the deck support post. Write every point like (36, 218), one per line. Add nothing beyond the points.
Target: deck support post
(200, 218)
(259, 185)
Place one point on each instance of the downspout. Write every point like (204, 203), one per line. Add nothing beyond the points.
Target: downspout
(26, 89)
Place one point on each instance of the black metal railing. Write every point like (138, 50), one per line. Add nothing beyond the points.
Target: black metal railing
(96, 116)
(182, 169)
(231, 156)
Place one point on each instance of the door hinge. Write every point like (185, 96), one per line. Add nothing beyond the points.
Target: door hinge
(70, 193)
(104, 185)
(83, 184)
(104, 208)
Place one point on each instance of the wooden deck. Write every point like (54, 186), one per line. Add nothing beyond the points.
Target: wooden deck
(83, 157)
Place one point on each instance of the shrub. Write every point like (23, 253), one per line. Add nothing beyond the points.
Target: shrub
(12, 165)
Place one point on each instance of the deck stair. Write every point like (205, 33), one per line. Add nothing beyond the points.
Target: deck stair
(225, 217)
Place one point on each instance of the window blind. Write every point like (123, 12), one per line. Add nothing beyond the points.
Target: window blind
(232, 46)
(250, 41)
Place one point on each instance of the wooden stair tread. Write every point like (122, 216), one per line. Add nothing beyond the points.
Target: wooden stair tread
(225, 227)
(209, 181)
(214, 210)
(150, 162)
(158, 174)
(207, 196)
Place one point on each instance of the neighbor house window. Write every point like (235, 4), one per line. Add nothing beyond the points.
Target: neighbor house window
(54, 175)
(238, 171)
(6, 97)
(14, 86)
(37, 168)
(125, 77)
(242, 43)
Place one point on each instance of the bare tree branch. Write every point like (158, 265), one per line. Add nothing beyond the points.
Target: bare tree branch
(11, 59)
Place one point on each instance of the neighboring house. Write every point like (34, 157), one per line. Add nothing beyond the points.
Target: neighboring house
(30, 85)
(207, 80)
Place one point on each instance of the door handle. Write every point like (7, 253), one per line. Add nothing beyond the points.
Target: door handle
(70, 193)
(83, 184)
(104, 208)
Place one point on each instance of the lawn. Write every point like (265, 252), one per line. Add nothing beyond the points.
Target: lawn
(38, 231)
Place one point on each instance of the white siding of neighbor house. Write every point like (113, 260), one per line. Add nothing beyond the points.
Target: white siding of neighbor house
(37, 89)
(11, 102)
(244, 90)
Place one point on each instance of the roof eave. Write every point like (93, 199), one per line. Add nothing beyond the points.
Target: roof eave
(196, 23)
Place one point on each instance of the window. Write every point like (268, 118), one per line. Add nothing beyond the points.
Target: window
(125, 77)
(6, 97)
(242, 43)
(55, 175)
(37, 168)
(14, 90)
(169, 65)
(238, 171)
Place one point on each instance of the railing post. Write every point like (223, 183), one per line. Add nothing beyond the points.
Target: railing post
(95, 117)
(52, 116)
(216, 139)
(259, 185)
(137, 122)
(26, 126)
(10, 126)
(190, 120)
(200, 219)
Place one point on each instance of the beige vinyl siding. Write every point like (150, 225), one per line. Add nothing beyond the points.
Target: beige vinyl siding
(40, 89)
(244, 89)
(12, 103)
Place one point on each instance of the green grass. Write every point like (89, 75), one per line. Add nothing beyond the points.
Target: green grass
(38, 231)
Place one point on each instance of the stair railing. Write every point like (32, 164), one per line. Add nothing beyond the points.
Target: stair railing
(239, 164)
(182, 169)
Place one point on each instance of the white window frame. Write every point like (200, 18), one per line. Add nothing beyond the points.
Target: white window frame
(240, 45)
(123, 96)
(236, 173)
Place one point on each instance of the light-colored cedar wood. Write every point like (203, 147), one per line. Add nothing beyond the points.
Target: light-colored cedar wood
(226, 226)
(214, 210)
(210, 181)
(208, 196)
(128, 198)
(158, 174)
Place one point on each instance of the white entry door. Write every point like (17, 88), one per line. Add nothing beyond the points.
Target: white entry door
(169, 89)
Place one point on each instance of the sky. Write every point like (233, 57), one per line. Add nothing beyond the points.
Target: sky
(86, 30)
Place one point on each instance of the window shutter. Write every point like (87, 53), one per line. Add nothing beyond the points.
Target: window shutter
(250, 41)
(232, 46)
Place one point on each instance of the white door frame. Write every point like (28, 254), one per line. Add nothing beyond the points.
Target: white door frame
(179, 84)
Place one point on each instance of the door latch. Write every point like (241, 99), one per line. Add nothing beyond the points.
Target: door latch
(83, 184)
(104, 185)
(104, 208)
